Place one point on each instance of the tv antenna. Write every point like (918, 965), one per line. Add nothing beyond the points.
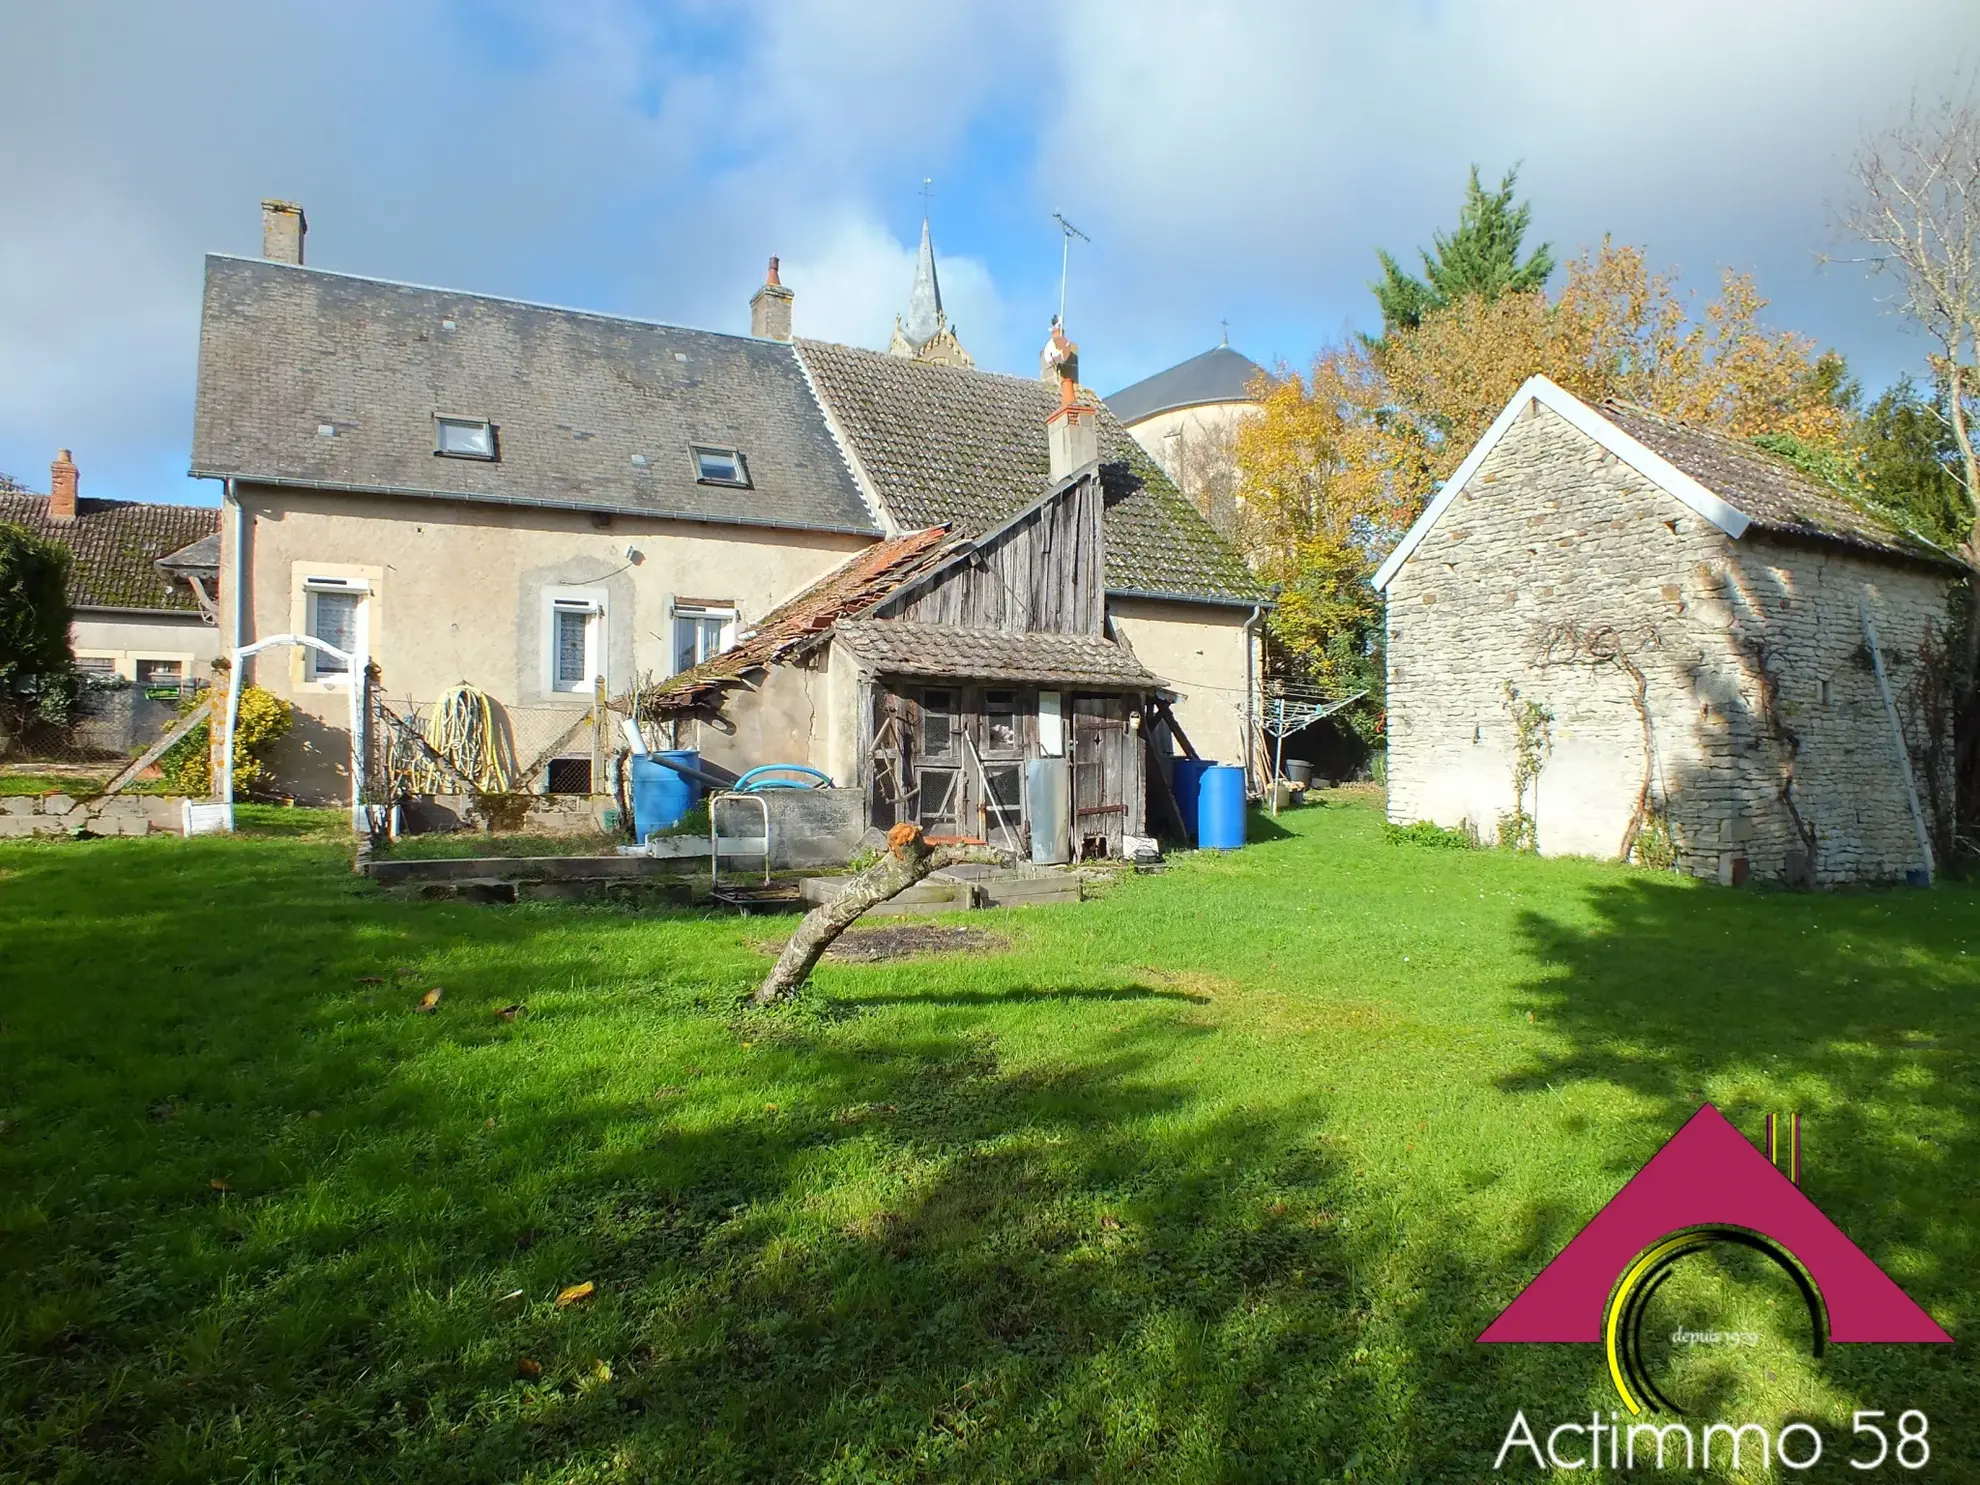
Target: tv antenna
(1067, 232)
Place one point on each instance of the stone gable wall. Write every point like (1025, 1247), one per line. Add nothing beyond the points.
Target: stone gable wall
(1754, 672)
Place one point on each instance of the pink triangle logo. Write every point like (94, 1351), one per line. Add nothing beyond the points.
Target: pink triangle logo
(1708, 1176)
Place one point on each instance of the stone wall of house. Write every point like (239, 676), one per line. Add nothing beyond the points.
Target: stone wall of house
(63, 814)
(1565, 573)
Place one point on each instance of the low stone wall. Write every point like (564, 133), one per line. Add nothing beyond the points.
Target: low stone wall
(518, 814)
(63, 814)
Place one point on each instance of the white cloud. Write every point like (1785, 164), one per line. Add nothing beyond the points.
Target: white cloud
(1230, 159)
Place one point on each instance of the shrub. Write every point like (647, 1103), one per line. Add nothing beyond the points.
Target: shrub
(264, 718)
(1428, 833)
(38, 679)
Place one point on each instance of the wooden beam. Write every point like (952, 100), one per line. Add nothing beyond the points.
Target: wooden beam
(198, 716)
(1175, 728)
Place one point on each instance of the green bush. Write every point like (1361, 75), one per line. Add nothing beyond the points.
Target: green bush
(264, 719)
(1428, 833)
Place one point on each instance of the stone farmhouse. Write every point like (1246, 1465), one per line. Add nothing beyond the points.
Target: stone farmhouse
(142, 578)
(541, 501)
(1717, 660)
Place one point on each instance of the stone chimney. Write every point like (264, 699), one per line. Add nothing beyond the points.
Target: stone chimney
(770, 308)
(283, 228)
(62, 487)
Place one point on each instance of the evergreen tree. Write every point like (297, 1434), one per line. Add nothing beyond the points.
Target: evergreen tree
(1909, 462)
(1480, 258)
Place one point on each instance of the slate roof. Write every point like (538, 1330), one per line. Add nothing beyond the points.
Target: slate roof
(286, 351)
(1220, 374)
(864, 580)
(200, 556)
(1765, 488)
(947, 446)
(903, 648)
(114, 546)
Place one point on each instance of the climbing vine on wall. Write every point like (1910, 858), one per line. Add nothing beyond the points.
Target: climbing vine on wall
(1533, 740)
(1647, 838)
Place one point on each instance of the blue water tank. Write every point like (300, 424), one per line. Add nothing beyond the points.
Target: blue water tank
(661, 795)
(1188, 788)
(1220, 808)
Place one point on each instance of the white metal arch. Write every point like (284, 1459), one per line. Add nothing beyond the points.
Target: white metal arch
(355, 667)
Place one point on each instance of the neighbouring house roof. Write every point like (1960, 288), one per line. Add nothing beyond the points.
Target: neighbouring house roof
(115, 547)
(1220, 374)
(590, 411)
(202, 556)
(856, 586)
(1731, 483)
(903, 648)
(940, 445)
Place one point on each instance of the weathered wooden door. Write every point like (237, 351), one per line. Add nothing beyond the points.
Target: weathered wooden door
(1100, 775)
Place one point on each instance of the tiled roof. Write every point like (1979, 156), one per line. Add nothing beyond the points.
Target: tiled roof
(900, 647)
(114, 546)
(332, 380)
(1766, 489)
(852, 588)
(1220, 374)
(946, 446)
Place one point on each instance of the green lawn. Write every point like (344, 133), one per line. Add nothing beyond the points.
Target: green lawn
(1214, 1179)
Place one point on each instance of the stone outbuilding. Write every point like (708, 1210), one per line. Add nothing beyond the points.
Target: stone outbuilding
(1616, 635)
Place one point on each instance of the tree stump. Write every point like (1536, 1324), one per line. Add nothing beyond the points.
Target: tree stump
(908, 859)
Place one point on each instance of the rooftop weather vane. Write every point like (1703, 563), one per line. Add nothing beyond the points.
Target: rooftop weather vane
(1067, 232)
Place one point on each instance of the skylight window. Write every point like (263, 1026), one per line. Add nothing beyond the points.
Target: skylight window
(464, 438)
(720, 467)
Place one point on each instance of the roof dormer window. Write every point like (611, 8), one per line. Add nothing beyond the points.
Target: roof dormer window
(720, 467)
(464, 438)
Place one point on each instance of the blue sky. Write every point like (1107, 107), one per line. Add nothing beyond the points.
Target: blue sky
(1237, 161)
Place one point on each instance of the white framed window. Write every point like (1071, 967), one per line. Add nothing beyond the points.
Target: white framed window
(333, 613)
(714, 466)
(701, 630)
(576, 640)
(464, 438)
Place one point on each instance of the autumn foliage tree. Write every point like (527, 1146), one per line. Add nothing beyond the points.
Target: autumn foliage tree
(1343, 459)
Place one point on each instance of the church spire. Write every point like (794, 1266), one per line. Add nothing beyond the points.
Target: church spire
(924, 316)
(924, 334)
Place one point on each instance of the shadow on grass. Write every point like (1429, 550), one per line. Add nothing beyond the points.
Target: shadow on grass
(858, 1249)
(1854, 1009)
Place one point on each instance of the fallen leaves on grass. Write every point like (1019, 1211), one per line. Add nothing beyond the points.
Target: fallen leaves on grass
(575, 1294)
(371, 979)
(429, 1002)
(510, 1012)
(219, 1185)
(528, 1369)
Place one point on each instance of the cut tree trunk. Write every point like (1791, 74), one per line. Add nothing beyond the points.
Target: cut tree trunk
(908, 859)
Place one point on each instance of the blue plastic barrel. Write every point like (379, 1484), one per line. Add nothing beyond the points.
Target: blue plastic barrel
(660, 795)
(1220, 808)
(1188, 787)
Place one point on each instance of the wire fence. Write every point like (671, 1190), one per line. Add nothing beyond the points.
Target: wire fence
(111, 722)
(468, 742)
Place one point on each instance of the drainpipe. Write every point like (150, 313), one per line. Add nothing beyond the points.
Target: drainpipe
(1250, 684)
(240, 625)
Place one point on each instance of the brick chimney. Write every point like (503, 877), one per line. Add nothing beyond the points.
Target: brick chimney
(283, 228)
(62, 487)
(1072, 431)
(770, 308)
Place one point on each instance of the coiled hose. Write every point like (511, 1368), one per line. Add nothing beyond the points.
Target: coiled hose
(465, 728)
